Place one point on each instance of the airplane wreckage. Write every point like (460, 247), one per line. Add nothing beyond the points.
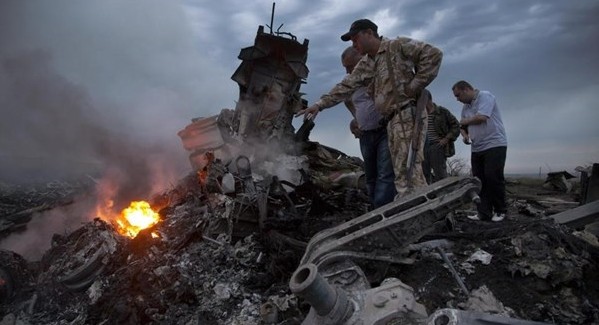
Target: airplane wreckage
(271, 228)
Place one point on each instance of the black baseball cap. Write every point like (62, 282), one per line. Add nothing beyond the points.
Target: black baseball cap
(358, 26)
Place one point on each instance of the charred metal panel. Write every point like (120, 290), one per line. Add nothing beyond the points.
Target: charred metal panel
(377, 234)
(202, 134)
(580, 216)
(269, 79)
(589, 184)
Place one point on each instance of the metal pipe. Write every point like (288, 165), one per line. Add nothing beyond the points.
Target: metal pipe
(272, 17)
(453, 270)
(473, 195)
(307, 283)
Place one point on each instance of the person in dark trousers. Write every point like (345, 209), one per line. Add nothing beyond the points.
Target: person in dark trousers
(442, 131)
(482, 127)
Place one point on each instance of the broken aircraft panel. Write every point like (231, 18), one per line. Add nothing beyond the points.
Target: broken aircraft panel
(269, 79)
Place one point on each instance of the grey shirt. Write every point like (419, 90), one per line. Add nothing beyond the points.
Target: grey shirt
(366, 116)
(491, 133)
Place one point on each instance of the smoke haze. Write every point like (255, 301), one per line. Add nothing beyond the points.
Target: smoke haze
(87, 85)
(98, 88)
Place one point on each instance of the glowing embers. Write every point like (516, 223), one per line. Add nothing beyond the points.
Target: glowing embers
(138, 216)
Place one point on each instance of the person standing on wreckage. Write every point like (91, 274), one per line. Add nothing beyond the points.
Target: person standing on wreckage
(374, 145)
(481, 127)
(442, 131)
(395, 71)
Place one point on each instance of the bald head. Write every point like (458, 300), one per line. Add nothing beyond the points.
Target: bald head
(349, 58)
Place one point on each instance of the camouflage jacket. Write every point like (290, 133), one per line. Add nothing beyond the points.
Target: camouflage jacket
(415, 64)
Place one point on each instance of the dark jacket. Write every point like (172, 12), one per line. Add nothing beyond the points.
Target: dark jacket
(446, 124)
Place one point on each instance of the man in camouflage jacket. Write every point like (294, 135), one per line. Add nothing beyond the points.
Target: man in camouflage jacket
(443, 129)
(414, 65)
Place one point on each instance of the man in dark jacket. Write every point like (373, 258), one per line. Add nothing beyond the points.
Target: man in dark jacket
(443, 129)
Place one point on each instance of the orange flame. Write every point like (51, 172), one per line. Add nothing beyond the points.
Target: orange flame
(138, 216)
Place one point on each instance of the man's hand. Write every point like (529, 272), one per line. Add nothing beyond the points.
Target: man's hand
(354, 128)
(466, 138)
(309, 113)
(465, 135)
(443, 142)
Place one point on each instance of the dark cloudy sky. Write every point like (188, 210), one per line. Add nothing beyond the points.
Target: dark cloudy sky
(136, 72)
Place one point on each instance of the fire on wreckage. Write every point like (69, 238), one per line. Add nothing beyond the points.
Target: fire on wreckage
(228, 248)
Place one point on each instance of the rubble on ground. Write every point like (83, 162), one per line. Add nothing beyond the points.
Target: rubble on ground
(529, 267)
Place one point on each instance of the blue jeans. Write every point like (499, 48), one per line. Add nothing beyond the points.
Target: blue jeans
(378, 167)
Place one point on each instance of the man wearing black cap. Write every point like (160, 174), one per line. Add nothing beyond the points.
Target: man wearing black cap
(396, 71)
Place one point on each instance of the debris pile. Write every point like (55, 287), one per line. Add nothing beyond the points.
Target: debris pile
(559, 181)
(198, 271)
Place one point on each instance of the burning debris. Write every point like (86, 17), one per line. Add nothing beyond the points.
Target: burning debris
(271, 228)
(137, 217)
